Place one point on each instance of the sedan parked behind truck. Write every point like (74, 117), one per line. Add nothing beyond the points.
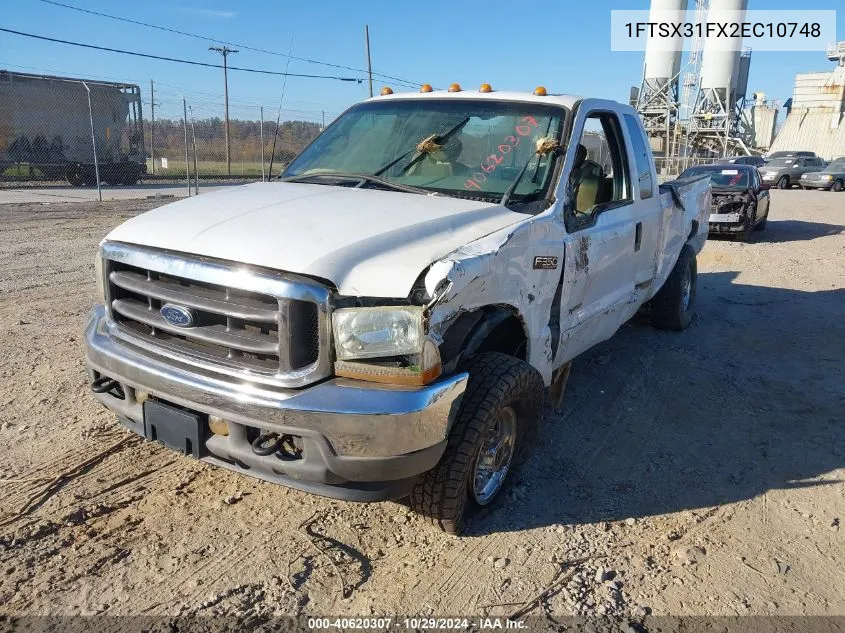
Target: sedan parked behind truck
(740, 201)
(831, 177)
(786, 172)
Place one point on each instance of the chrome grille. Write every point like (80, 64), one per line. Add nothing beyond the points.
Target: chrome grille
(270, 327)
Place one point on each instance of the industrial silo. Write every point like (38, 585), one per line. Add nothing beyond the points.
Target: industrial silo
(720, 64)
(744, 67)
(663, 55)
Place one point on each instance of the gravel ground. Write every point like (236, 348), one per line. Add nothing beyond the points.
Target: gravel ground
(689, 473)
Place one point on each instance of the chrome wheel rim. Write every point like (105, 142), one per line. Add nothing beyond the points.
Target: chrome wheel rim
(686, 290)
(494, 457)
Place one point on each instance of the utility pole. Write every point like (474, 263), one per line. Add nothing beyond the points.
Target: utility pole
(369, 60)
(153, 125)
(224, 51)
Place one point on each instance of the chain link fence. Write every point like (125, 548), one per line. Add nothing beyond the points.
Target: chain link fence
(61, 132)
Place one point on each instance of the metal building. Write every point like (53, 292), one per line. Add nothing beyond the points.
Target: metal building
(761, 118)
(816, 120)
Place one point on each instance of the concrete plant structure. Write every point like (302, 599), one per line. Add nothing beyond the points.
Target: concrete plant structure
(816, 119)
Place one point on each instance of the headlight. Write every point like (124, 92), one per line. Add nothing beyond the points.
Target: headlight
(385, 344)
(827, 177)
(377, 332)
(101, 282)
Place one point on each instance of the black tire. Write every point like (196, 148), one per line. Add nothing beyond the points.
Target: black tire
(669, 309)
(838, 185)
(783, 182)
(74, 177)
(745, 234)
(443, 496)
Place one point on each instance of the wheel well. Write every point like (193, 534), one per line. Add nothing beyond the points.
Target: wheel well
(490, 329)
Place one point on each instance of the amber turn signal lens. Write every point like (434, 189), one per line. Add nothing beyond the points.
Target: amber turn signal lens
(426, 88)
(485, 88)
(455, 87)
(218, 426)
(540, 91)
(387, 90)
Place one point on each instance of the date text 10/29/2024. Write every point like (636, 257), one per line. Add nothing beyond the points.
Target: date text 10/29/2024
(416, 624)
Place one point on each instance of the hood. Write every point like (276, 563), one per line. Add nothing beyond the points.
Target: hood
(367, 242)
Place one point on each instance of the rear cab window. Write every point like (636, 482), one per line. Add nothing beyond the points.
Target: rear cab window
(644, 180)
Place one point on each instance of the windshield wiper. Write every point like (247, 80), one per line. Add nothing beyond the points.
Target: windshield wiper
(363, 179)
(438, 138)
(544, 146)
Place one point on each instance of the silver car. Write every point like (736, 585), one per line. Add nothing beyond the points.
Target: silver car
(786, 172)
(831, 177)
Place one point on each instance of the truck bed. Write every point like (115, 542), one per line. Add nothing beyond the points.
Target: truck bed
(686, 209)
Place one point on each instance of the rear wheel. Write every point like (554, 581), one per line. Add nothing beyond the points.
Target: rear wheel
(674, 305)
(74, 177)
(499, 409)
(784, 183)
(838, 185)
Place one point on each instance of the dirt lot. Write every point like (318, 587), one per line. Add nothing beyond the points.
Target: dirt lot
(698, 473)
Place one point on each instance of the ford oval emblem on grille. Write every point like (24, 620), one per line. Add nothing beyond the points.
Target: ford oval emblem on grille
(177, 315)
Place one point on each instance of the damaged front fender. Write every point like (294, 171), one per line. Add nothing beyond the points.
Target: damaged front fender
(501, 270)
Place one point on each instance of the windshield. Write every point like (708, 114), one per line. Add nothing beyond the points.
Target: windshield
(780, 163)
(724, 178)
(463, 147)
(836, 165)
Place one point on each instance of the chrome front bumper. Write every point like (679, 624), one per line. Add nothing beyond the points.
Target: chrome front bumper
(356, 435)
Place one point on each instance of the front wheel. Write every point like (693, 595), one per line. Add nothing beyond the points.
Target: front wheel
(838, 185)
(499, 409)
(784, 183)
(674, 305)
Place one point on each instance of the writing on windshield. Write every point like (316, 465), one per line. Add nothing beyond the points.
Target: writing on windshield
(510, 142)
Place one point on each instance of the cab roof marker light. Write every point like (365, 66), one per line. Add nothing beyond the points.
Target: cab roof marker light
(426, 88)
(387, 90)
(540, 91)
(485, 87)
(455, 87)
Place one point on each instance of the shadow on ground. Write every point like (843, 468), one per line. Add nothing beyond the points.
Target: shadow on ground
(780, 231)
(748, 399)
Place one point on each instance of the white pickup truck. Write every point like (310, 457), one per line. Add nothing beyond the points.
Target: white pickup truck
(382, 320)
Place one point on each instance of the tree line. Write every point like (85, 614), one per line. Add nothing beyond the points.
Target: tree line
(244, 135)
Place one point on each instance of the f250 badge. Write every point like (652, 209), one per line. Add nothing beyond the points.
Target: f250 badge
(177, 315)
(545, 262)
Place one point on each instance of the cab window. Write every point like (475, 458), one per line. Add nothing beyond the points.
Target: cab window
(599, 179)
(644, 179)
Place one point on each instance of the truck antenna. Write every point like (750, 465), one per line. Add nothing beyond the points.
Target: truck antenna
(279, 115)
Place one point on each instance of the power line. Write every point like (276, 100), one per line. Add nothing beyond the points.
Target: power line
(213, 39)
(180, 61)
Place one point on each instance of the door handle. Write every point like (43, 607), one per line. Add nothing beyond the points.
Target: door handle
(638, 236)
